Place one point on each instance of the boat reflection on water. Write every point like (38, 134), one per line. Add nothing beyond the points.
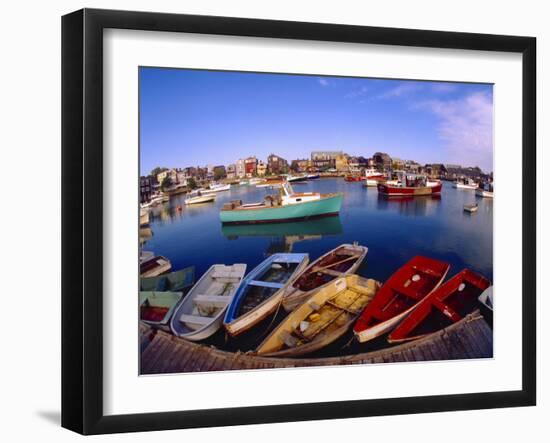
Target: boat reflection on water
(409, 205)
(284, 235)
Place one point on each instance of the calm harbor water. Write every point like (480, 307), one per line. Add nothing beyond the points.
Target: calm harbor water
(394, 230)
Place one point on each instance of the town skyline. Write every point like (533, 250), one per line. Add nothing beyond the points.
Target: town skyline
(192, 118)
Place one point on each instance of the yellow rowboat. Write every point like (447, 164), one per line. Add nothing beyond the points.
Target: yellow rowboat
(323, 318)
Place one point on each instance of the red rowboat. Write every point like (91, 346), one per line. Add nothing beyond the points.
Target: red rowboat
(399, 296)
(443, 307)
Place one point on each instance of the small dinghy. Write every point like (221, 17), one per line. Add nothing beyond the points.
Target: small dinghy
(448, 304)
(399, 296)
(471, 208)
(486, 302)
(201, 313)
(322, 319)
(174, 281)
(156, 308)
(262, 290)
(199, 196)
(339, 262)
(153, 266)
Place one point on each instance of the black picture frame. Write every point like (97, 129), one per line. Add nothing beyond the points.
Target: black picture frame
(82, 216)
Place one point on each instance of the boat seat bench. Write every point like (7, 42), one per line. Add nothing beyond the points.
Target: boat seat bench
(266, 284)
(220, 301)
(195, 321)
(331, 272)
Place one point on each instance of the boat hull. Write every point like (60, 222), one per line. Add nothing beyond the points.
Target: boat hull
(483, 193)
(201, 199)
(389, 190)
(301, 211)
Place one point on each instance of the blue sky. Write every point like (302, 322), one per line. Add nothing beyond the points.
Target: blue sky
(190, 118)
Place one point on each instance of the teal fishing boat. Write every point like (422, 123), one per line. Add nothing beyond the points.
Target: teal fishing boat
(286, 205)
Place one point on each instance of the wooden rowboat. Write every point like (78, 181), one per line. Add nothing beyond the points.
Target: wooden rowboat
(156, 308)
(448, 304)
(399, 296)
(339, 262)
(174, 281)
(261, 291)
(201, 313)
(322, 319)
(153, 266)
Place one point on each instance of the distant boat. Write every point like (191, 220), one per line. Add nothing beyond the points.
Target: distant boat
(448, 304)
(261, 291)
(465, 183)
(156, 308)
(154, 266)
(243, 182)
(399, 295)
(201, 313)
(485, 190)
(285, 206)
(326, 316)
(215, 187)
(353, 178)
(255, 181)
(339, 262)
(174, 281)
(199, 196)
(471, 208)
(297, 178)
(313, 176)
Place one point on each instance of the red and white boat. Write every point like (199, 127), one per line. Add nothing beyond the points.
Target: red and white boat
(353, 178)
(373, 177)
(446, 305)
(410, 185)
(399, 296)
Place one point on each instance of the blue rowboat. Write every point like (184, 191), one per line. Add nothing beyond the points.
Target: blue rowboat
(287, 205)
(260, 293)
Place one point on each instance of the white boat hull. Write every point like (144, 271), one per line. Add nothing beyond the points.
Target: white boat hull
(483, 193)
(200, 199)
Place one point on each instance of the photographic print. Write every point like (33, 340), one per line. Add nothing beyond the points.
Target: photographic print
(302, 220)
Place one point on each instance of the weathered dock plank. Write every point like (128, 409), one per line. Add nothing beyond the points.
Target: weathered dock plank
(164, 353)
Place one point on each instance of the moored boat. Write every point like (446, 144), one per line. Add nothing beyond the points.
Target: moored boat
(353, 178)
(410, 185)
(285, 206)
(465, 183)
(399, 295)
(217, 187)
(486, 305)
(199, 196)
(313, 176)
(156, 308)
(154, 266)
(471, 207)
(446, 305)
(324, 317)
(143, 217)
(201, 313)
(485, 190)
(296, 178)
(339, 262)
(174, 281)
(261, 291)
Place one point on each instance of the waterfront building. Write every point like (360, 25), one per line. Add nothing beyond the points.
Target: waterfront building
(231, 171)
(250, 164)
(145, 189)
(382, 161)
(276, 165)
(323, 160)
(170, 173)
(398, 164)
(435, 170)
(341, 163)
(261, 168)
(301, 165)
(240, 170)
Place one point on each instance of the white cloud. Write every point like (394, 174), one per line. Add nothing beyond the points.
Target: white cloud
(466, 128)
(361, 92)
(400, 90)
(323, 81)
(443, 88)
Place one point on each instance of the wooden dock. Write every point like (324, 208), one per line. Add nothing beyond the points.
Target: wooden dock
(162, 353)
